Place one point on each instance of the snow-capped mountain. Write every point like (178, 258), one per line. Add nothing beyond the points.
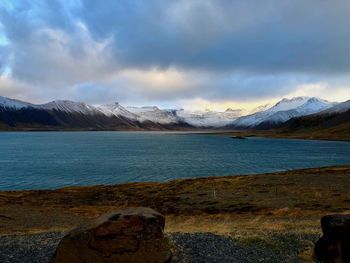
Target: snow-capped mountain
(58, 105)
(311, 106)
(338, 108)
(171, 116)
(209, 118)
(282, 111)
(260, 108)
(63, 114)
(154, 114)
(332, 123)
(118, 110)
(288, 104)
(69, 106)
(14, 104)
(76, 115)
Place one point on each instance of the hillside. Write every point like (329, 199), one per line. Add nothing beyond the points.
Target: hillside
(70, 115)
(281, 112)
(332, 123)
(297, 115)
(327, 124)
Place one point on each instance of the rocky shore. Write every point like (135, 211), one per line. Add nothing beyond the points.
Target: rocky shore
(271, 217)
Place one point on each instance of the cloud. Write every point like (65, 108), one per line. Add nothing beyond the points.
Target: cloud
(225, 35)
(174, 51)
(13, 88)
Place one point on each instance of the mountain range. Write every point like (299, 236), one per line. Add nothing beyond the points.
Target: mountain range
(65, 114)
(332, 123)
(281, 112)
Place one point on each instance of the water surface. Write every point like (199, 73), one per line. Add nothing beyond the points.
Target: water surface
(38, 160)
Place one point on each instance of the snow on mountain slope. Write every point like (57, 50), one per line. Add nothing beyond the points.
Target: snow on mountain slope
(209, 118)
(288, 104)
(313, 105)
(279, 113)
(233, 113)
(338, 108)
(70, 106)
(14, 104)
(284, 110)
(117, 110)
(59, 105)
(154, 114)
(260, 108)
(194, 118)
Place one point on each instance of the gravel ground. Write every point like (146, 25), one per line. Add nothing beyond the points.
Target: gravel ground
(208, 247)
(197, 247)
(37, 248)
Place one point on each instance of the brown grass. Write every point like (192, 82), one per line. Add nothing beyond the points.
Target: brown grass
(278, 210)
(276, 202)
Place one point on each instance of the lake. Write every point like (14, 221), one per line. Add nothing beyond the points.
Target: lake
(46, 160)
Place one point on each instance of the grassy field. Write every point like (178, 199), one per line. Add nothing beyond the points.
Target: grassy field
(282, 210)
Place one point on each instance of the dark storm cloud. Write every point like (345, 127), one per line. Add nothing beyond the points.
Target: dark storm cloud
(237, 49)
(294, 35)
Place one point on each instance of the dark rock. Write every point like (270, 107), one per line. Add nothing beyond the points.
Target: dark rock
(334, 245)
(238, 137)
(130, 235)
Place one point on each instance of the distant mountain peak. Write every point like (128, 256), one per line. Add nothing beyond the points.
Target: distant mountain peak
(318, 100)
(65, 102)
(294, 99)
(230, 110)
(284, 110)
(314, 99)
(69, 106)
(338, 108)
(260, 108)
(149, 107)
(288, 104)
(114, 104)
(298, 98)
(13, 103)
(266, 114)
(154, 114)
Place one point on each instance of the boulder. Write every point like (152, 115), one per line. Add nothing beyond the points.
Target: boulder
(334, 245)
(130, 235)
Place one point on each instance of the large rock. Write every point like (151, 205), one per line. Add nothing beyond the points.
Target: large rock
(130, 235)
(334, 245)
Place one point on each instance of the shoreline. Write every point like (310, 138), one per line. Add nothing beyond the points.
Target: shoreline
(244, 133)
(309, 192)
(250, 217)
(77, 187)
(274, 135)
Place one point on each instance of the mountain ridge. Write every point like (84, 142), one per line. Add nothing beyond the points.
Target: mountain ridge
(281, 112)
(67, 114)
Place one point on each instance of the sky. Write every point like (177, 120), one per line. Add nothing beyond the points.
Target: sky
(191, 54)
